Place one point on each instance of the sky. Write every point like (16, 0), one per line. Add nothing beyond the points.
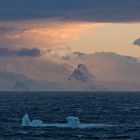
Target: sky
(67, 26)
(59, 28)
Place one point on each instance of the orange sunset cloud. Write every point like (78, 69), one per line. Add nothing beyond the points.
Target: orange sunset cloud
(57, 33)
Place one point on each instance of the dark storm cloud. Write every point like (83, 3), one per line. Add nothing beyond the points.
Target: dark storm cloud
(85, 10)
(29, 52)
(24, 52)
(137, 42)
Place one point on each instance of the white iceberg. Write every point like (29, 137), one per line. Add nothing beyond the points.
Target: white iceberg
(72, 122)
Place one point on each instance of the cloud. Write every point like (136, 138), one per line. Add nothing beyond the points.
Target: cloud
(43, 34)
(83, 10)
(80, 56)
(65, 58)
(130, 58)
(79, 53)
(4, 30)
(5, 52)
(29, 52)
(108, 66)
(74, 55)
(24, 52)
(137, 42)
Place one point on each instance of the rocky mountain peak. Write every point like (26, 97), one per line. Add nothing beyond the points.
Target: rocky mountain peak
(81, 73)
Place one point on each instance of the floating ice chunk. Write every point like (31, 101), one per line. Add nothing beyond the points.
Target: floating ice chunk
(26, 121)
(72, 122)
(84, 126)
(37, 123)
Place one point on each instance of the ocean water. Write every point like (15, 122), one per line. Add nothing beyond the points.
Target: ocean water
(120, 109)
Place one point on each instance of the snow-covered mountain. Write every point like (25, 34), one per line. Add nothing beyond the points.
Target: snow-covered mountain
(113, 71)
(16, 82)
(33, 74)
(99, 71)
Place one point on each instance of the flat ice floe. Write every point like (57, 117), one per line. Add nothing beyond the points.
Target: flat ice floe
(72, 122)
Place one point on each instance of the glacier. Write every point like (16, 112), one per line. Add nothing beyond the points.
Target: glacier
(72, 122)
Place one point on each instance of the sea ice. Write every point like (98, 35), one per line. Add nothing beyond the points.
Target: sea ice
(26, 121)
(37, 123)
(72, 122)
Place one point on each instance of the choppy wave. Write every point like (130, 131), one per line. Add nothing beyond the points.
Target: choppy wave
(103, 116)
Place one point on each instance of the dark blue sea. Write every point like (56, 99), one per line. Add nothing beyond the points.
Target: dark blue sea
(120, 109)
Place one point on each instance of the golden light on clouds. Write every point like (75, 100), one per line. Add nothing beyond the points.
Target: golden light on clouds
(63, 37)
(55, 35)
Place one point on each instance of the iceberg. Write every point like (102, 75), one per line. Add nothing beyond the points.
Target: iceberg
(27, 122)
(72, 122)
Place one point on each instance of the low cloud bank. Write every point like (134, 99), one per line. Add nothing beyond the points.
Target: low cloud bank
(24, 52)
